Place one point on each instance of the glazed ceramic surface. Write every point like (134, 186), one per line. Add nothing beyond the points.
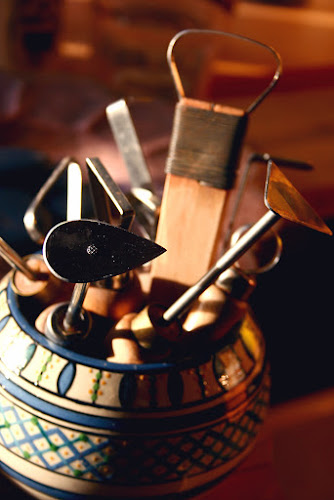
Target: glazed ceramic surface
(74, 426)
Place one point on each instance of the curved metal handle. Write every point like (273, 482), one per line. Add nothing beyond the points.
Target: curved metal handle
(177, 77)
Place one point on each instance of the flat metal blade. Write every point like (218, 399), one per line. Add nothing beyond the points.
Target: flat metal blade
(283, 198)
(126, 138)
(110, 203)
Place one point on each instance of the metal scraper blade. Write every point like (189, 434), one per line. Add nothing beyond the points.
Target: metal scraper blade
(85, 250)
(126, 138)
(282, 198)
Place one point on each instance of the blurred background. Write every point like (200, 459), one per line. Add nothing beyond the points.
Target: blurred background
(63, 61)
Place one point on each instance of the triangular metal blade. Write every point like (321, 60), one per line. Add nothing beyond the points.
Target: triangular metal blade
(283, 198)
(85, 250)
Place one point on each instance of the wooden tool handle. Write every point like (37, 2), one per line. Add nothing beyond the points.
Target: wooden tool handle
(201, 166)
(189, 226)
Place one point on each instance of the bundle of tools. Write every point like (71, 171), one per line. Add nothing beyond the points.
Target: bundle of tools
(92, 290)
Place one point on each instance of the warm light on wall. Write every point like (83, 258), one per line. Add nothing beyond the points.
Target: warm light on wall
(75, 50)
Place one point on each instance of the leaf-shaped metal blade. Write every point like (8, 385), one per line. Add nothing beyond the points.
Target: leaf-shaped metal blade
(85, 250)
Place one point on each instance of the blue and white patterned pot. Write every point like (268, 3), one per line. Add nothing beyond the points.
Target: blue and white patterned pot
(73, 426)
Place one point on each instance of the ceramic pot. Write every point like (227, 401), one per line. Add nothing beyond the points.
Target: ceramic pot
(74, 426)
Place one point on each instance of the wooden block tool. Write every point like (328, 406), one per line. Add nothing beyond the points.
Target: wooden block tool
(201, 168)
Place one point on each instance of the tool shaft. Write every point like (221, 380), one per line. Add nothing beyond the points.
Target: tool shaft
(72, 316)
(227, 260)
(15, 261)
(74, 191)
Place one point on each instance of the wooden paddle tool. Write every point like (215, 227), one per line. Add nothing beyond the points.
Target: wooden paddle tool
(201, 167)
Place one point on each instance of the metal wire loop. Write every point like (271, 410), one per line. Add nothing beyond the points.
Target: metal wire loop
(268, 265)
(177, 78)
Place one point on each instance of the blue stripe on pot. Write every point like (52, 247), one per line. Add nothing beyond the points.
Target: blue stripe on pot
(3, 322)
(146, 368)
(150, 425)
(78, 357)
(66, 378)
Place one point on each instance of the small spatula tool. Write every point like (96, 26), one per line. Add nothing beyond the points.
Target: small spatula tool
(85, 251)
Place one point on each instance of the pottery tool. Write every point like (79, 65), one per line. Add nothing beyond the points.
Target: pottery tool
(31, 278)
(119, 294)
(147, 208)
(73, 212)
(224, 302)
(82, 252)
(201, 168)
(263, 159)
(16, 262)
(282, 201)
(121, 345)
(142, 192)
(110, 203)
(37, 220)
(127, 141)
